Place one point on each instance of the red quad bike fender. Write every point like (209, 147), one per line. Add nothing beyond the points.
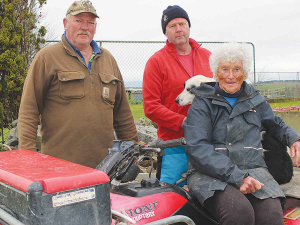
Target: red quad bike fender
(291, 216)
(148, 208)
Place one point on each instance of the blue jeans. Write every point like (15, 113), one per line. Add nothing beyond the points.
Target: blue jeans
(174, 163)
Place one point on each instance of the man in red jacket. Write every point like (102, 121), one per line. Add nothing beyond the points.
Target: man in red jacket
(164, 77)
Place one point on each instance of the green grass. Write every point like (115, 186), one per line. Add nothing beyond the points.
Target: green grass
(137, 111)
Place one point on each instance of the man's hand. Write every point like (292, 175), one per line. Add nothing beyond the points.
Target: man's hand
(249, 185)
(295, 153)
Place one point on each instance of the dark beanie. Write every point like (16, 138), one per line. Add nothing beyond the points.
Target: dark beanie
(173, 12)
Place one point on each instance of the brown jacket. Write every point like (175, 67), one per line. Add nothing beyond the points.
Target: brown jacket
(78, 109)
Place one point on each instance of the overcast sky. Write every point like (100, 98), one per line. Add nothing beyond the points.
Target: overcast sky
(271, 25)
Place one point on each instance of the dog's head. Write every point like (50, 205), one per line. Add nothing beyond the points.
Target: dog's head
(186, 97)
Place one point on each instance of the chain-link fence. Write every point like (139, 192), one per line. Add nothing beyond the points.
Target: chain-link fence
(132, 57)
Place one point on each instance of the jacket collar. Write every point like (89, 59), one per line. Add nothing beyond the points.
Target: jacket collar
(207, 90)
(171, 47)
(67, 46)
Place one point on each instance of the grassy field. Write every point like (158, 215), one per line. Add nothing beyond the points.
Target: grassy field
(137, 111)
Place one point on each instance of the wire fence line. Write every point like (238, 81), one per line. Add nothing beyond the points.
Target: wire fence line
(132, 57)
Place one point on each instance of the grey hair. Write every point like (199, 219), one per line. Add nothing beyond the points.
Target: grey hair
(231, 52)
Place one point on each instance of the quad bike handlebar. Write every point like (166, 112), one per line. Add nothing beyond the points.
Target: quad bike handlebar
(120, 164)
(159, 143)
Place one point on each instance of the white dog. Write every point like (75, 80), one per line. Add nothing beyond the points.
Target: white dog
(186, 97)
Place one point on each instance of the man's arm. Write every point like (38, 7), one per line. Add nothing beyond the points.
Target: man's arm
(154, 108)
(31, 104)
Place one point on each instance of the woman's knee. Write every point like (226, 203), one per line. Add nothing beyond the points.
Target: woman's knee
(231, 207)
(237, 213)
(269, 212)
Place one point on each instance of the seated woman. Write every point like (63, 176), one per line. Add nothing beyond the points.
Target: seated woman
(223, 133)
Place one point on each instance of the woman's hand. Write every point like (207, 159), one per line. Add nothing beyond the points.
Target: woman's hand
(249, 185)
(295, 152)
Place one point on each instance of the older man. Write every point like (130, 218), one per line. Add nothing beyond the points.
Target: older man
(164, 77)
(75, 90)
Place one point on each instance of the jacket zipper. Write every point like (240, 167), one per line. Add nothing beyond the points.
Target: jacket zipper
(90, 71)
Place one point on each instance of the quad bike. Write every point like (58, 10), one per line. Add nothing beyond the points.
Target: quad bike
(142, 201)
(40, 189)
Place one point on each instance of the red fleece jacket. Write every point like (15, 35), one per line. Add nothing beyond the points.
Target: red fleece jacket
(163, 81)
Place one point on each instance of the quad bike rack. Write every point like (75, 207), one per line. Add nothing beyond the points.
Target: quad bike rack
(39, 189)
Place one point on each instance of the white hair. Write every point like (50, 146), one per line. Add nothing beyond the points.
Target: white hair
(231, 52)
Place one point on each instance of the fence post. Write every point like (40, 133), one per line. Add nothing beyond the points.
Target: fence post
(297, 86)
(2, 134)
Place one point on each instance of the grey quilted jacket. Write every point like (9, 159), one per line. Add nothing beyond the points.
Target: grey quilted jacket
(224, 143)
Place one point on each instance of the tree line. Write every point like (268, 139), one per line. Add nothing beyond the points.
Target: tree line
(20, 39)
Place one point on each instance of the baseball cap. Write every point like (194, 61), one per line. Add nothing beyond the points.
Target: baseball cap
(83, 6)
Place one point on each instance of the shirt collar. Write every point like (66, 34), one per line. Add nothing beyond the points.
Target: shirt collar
(96, 49)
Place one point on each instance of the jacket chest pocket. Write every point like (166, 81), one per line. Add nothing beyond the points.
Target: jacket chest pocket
(71, 84)
(109, 86)
(252, 118)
